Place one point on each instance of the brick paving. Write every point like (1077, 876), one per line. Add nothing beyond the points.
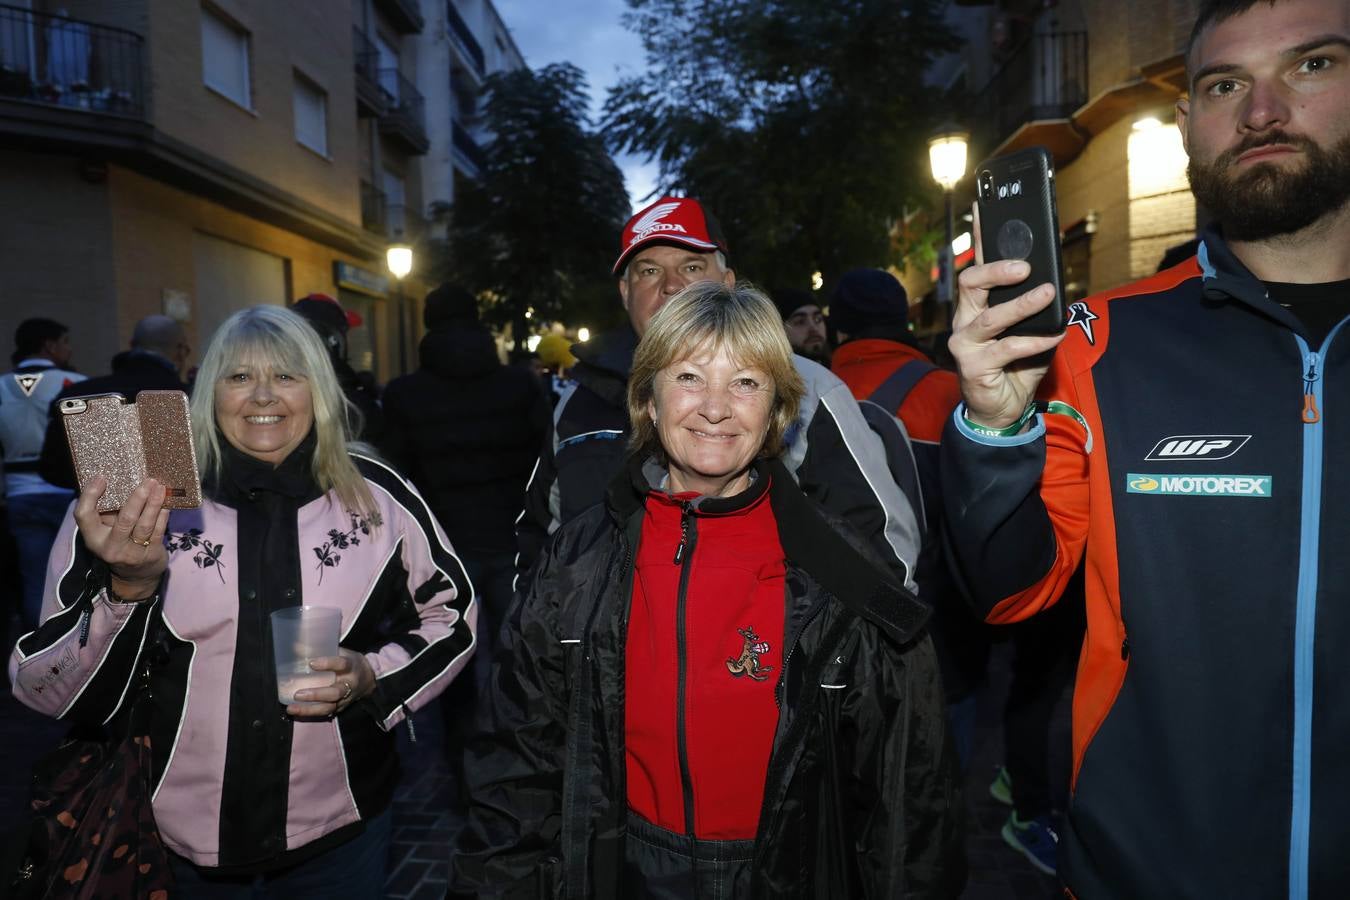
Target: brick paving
(422, 826)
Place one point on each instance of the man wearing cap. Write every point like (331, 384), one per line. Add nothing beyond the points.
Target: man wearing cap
(835, 457)
(804, 323)
(870, 314)
(326, 316)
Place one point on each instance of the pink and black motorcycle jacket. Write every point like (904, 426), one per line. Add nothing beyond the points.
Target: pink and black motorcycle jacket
(237, 784)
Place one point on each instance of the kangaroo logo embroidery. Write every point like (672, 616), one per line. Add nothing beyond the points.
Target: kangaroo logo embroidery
(748, 662)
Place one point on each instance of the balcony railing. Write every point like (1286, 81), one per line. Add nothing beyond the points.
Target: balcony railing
(465, 143)
(68, 63)
(460, 29)
(1045, 78)
(373, 210)
(405, 115)
(405, 15)
(369, 97)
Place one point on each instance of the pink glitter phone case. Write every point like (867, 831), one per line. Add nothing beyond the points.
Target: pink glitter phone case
(126, 443)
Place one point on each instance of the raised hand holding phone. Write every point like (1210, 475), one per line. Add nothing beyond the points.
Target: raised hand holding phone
(131, 540)
(999, 374)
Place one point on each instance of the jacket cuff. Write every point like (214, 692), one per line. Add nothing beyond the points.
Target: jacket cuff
(1034, 433)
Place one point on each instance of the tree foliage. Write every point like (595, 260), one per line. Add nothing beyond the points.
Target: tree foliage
(539, 228)
(803, 124)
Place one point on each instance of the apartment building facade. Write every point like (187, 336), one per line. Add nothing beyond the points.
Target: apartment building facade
(1096, 83)
(464, 42)
(193, 157)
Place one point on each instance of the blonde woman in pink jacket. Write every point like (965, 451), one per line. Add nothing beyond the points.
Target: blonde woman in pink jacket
(249, 794)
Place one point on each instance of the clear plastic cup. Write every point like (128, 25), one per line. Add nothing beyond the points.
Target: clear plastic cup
(299, 634)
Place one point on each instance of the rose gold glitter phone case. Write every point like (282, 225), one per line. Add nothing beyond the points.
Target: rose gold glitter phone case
(126, 443)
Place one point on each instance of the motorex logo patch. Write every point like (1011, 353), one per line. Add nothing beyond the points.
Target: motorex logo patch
(1200, 485)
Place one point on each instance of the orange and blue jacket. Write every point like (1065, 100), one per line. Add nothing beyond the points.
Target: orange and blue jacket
(1207, 498)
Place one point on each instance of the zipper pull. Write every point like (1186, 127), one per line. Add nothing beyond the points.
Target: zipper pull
(408, 717)
(84, 628)
(1310, 414)
(684, 533)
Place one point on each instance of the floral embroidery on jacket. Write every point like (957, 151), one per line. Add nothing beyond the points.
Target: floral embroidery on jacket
(328, 554)
(207, 553)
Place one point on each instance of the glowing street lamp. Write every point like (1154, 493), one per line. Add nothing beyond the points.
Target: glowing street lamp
(399, 259)
(947, 157)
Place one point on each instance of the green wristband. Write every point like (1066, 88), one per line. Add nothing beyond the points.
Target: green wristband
(1011, 431)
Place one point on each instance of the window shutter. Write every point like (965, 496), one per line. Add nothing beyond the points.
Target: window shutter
(225, 59)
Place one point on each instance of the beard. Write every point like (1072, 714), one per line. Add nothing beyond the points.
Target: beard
(816, 352)
(1268, 200)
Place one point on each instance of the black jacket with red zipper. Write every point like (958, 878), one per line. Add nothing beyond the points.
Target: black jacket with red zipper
(873, 816)
(1207, 499)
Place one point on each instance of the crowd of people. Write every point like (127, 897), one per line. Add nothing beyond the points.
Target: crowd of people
(725, 585)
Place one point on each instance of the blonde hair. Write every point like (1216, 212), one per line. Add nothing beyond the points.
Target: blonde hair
(272, 337)
(739, 319)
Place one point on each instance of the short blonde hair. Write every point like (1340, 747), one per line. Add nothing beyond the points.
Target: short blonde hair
(739, 319)
(275, 338)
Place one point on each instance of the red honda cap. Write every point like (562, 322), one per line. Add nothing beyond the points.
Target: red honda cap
(671, 220)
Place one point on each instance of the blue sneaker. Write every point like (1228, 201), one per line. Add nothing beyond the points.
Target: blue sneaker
(1036, 840)
(1001, 787)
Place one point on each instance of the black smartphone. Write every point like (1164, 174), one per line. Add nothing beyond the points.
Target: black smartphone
(1019, 220)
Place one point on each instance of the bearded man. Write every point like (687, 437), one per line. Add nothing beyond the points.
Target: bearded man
(1182, 443)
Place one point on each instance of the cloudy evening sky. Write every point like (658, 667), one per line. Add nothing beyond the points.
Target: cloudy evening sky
(589, 34)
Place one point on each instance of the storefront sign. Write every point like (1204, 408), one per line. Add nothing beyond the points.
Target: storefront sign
(354, 278)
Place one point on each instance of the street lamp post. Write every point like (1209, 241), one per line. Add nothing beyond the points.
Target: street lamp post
(399, 259)
(947, 157)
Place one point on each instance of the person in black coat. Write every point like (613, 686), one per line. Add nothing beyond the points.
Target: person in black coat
(467, 429)
(159, 353)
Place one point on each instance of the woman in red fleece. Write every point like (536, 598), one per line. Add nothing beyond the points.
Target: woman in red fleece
(708, 690)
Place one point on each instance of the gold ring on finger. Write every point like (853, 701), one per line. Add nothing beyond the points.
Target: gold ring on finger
(144, 543)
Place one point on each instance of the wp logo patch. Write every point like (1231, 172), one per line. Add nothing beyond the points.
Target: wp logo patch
(1200, 485)
(1197, 446)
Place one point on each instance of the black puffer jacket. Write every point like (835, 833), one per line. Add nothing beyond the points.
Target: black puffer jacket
(467, 430)
(861, 797)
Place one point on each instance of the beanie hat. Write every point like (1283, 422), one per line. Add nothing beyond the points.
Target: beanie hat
(322, 309)
(681, 221)
(789, 300)
(450, 304)
(866, 298)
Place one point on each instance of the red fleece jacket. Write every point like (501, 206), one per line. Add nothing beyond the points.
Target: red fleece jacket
(731, 647)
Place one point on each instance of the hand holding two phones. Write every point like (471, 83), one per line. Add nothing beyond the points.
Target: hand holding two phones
(134, 462)
(130, 540)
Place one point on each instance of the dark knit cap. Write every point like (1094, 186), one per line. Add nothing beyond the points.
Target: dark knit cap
(865, 298)
(789, 300)
(450, 304)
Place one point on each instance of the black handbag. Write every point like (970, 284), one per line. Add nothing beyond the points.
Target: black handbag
(92, 834)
